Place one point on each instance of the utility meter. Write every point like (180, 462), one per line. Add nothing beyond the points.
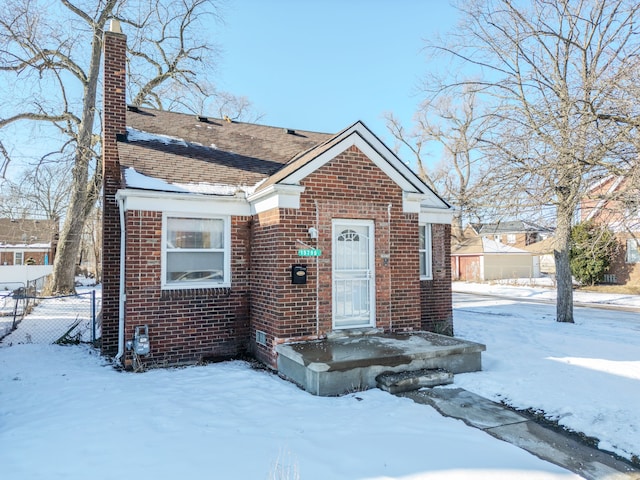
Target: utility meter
(141, 340)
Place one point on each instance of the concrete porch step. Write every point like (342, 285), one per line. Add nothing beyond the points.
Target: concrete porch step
(335, 366)
(398, 382)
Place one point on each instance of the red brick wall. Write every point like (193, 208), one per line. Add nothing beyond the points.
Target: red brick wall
(435, 295)
(6, 258)
(113, 124)
(185, 326)
(348, 187)
(626, 273)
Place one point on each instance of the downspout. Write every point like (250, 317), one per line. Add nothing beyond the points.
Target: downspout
(317, 274)
(389, 268)
(121, 295)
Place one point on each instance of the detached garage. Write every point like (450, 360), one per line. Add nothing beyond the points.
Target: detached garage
(479, 259)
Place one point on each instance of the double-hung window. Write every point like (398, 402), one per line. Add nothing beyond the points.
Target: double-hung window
(633, 250)
(18, 258)
(425, 252)
(195, 252)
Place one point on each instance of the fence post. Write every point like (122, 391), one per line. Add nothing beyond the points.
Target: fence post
(15, 312)
(93, 316)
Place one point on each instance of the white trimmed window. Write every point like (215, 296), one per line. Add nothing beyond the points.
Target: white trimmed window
(633, 251)
(425, 252)
(18, 258)
(196, 252)
(511, 238)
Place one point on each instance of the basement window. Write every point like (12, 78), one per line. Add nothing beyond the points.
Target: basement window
(195, 252)
(425, 252)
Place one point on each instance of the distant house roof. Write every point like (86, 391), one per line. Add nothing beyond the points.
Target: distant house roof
(482, 245)
(542, 247)
(27, 232)
(514, 226)
(176, 152)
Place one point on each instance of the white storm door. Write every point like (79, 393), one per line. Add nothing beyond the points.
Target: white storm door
(353, 274)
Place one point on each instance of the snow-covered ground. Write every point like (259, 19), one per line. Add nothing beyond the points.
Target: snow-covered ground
(541, 289)
(584, 375)
(66, 413)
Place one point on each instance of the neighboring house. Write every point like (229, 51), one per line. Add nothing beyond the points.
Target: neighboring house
(481, 259)
(221, 237)
(614, 202)
(516, 233)
(27, 248)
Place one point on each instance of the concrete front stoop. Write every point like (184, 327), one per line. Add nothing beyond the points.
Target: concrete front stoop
(507, 425)
(351, 361)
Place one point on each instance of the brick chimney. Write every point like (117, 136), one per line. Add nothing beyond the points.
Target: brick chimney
(113, 125)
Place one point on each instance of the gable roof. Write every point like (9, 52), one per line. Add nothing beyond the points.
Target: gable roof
(27, 232)
(543, 247)
(513, 226)
(185, 152)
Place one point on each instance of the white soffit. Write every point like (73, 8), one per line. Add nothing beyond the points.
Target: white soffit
(154, 201)
(276, 196)
(435, 215)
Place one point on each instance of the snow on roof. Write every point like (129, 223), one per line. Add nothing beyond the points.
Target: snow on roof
(135, 179)
(491, 246)
(25, 245)
(134, 135)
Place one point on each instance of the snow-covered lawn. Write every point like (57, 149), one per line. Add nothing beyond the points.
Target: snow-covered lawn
(65, 413)
(584, 375)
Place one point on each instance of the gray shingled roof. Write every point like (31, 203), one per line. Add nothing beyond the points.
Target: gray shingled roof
(211, 150)
(516, 226)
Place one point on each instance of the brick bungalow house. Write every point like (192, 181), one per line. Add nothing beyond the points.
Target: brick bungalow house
(222, 237)
(614, 202)
(27, 250)
(27, 241)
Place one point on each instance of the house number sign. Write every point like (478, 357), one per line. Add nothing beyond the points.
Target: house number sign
(309, 252)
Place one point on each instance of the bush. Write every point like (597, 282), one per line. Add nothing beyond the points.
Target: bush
(592, 246)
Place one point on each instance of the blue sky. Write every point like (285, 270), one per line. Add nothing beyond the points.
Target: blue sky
(315, 65)
(322, 65)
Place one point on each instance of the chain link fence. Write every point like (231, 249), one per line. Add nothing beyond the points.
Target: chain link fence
(28, 317)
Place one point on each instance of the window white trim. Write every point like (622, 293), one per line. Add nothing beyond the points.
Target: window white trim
(633, 251)
(426, 253)
(18, 258)
(226, 281)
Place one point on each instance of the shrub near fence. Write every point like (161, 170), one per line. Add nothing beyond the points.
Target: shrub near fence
(63, 319)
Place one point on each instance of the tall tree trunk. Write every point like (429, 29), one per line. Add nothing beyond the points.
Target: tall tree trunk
(64, 267)
(564, 283)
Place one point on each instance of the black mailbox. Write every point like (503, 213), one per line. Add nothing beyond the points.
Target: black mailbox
(298, 274)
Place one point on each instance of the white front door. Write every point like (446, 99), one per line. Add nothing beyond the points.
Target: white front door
(353, 274)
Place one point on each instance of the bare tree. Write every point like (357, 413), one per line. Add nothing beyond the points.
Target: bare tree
(562, 74)
(42, 192)
(53, 51)
(457, 124)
